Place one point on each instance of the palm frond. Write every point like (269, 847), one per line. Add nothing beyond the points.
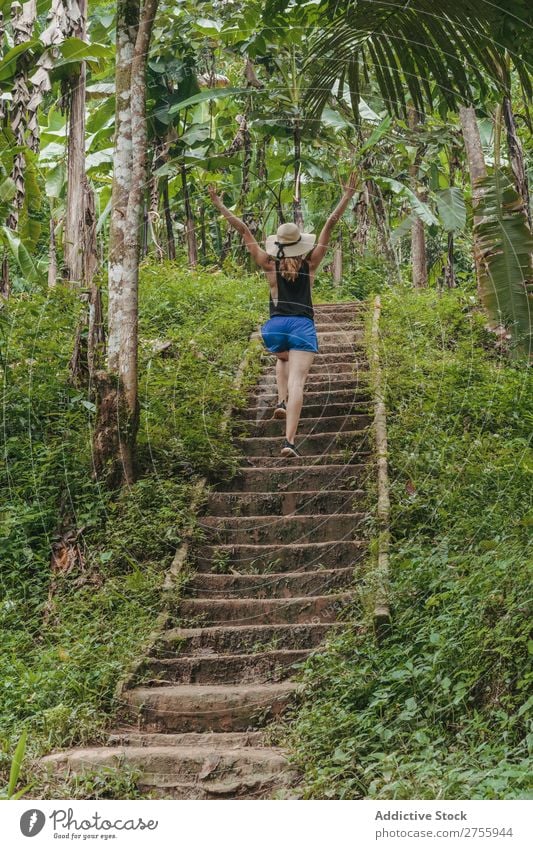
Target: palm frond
(407, 45)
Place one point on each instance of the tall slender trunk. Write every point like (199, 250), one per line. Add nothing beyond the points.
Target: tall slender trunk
(382, 224)
(118, 409)
(418, 235)
(336, 265)
(449, 271)
(153, 229)
(362, 221)
(297, 202)
(23, 18)
(516, 157)
(52, 254)
(477, 170)
(171, 242)
(192, 247)
(74, 240)
(203, 235)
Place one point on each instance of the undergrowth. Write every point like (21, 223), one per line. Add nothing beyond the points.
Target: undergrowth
(440, 708)
(68, 636)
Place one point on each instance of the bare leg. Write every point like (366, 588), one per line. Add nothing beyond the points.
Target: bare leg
(299, 365)
(282, 375)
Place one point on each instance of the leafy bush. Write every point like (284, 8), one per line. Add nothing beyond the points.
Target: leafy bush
(439, 709)
(66, 639)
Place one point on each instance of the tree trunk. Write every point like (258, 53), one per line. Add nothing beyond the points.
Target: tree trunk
(86, 355)
(23, 18)
(449, 271)
(153, 221)
(474, 151)
(192, 247)
(118, 408)
(203, 235)
(382, 224)
(171, 242)
(418, 235)
(297, 202)
(336, 265)
(516, 157)
(74, 239)
(362, 219)
(52, 255)
(477, 170)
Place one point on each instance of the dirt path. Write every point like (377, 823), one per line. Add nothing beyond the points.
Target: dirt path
(283, 545)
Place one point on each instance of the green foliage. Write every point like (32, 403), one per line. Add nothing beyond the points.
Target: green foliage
(16, 765)
(439, 709)
(67, 637)
(399, 50)
(506, 248)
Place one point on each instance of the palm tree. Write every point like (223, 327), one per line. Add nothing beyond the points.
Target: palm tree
(413, 49)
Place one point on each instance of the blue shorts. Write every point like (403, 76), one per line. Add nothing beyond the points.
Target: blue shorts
(289, 332)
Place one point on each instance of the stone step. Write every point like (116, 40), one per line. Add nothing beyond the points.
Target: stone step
(282, 503)
(267, 530)
(260, 668)
(323, 393)
(325, 359)
(131, 737)
(257, 559)
(320, 424)
(265, 411)
(172, 767)
(351, 335)
(343, 324)
(343, 307)
(270, 585)
(254, 787)
(346, 349)
(326, 377)
(209, 707)
(321, 471)
(235, 639)
(265, 611)
(315, 443)
(346, 457)
(318, 369)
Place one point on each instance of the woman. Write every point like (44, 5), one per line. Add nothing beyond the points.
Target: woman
(290, 260)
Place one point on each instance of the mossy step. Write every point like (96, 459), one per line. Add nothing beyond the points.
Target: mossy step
(283, 503)
(265, 611)
(291, 557)
(209, 707)
(233, 639)
(259, 668)
(270, 585)
(268, 530)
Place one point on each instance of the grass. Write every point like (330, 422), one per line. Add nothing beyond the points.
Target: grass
(440, 708)
(68, 635)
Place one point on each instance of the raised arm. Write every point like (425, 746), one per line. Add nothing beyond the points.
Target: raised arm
(319, 251)
(259, 255)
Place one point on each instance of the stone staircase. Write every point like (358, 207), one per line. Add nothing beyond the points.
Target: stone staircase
(283, 543)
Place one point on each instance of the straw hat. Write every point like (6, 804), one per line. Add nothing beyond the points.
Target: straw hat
(289, 241)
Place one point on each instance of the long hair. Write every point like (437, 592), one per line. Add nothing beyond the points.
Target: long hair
(290, 266)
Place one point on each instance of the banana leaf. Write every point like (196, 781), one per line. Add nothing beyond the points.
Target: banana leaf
(504, 251)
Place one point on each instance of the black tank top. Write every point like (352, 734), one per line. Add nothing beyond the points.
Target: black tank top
(293, 298)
